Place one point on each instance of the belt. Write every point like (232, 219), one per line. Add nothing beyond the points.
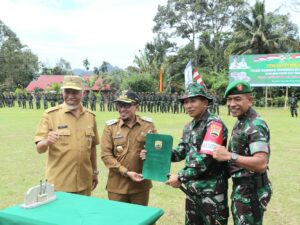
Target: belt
(259, 180)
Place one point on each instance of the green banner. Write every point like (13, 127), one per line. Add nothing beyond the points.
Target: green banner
(266, 69)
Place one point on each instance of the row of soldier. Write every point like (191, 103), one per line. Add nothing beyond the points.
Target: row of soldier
(150, 101)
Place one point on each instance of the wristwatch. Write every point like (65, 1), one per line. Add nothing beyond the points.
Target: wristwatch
(234, 157)
(95, 172)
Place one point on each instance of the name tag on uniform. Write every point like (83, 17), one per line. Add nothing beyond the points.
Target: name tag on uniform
(62, 126)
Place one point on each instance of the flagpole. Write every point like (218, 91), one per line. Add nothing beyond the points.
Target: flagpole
(266, 103)
(286, 97)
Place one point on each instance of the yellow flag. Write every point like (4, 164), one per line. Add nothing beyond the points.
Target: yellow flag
(161, 86)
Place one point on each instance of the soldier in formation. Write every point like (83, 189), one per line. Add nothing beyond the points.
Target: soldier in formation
(102, 102)
(93, 100)
(293, 105)
(30, 100)
(85, 100)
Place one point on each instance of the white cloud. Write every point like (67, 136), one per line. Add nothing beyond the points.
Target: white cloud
(100, 30)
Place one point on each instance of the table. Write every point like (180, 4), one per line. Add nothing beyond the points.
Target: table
(72, 209)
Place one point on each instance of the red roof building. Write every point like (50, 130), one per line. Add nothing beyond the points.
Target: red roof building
(45, 81)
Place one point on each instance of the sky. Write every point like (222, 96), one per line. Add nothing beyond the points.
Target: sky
(98, 30)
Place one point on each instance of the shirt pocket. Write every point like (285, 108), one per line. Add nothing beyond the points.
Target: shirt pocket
(64, 141)
(120, 148)
(64, 137)
(89, 137)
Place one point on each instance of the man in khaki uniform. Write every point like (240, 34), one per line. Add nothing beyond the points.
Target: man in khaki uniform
(121, 143)
(68, 132)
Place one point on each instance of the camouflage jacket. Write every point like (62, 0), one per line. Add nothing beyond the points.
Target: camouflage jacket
(293, 102)
(250, 135)
(201, 172)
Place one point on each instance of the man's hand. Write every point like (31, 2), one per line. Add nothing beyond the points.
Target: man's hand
(95, 181)
(52, 137)
(137, 177)
(220, 153)
(173, 181)
(43, 145)
(143, 154)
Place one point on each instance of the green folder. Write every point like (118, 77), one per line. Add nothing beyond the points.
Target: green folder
(157, 164)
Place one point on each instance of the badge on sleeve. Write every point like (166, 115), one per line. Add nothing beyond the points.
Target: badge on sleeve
(212, 139)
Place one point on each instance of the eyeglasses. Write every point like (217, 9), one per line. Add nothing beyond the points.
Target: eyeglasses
(124, 105)
(71, 92)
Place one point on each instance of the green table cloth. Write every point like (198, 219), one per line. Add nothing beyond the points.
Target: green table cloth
(71, 209)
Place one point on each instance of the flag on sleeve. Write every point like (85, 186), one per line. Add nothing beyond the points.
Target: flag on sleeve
(197, 78)
(188, 76)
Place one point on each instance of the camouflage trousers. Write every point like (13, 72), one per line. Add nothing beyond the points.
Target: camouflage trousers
(215, 206)
(243, 208)
(294, 111)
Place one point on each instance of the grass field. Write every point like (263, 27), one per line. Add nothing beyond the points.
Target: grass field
(21, 167)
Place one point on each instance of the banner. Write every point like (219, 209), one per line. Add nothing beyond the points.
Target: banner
(188, 76)
(266, 70)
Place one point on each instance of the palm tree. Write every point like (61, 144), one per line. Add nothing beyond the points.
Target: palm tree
(86, 64)
(258, 32)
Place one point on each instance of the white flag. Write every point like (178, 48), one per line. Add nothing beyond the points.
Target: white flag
(188, 74)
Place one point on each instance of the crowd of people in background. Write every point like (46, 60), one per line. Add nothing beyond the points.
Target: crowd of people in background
(151, 102)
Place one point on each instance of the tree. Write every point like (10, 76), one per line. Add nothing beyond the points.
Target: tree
(258, 32)
(18, 65)
(62, 67)
(104, 67)
(140, 83)
(86, 64)
(189, 19)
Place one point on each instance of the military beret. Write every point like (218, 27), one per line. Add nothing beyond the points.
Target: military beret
(237, 87)
(128, 97)
(195, 89)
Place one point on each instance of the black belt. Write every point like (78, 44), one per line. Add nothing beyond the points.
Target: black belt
(259, 180)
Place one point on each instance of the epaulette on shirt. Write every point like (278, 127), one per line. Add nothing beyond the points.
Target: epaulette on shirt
(111, 122)
(53, 109)
(148, 119)
(91, 112)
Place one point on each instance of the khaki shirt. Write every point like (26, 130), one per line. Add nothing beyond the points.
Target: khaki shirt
(120, 149)
(69, 165)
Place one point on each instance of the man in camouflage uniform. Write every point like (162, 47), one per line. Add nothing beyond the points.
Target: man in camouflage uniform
(60, 99)
(38, 100)
(204, 177)
(45, 101)
(293, 105)
(102, 102)
(93, 100)
(1, 100)
(85, 100)
(30, 100)
(248, 155)
(23, 98)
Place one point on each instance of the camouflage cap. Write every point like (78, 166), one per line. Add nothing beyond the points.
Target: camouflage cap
(195, 89)
(72, 82)
(128, 97)
(237, 87)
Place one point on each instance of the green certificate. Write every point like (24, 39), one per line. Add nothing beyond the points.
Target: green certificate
(158, 158)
